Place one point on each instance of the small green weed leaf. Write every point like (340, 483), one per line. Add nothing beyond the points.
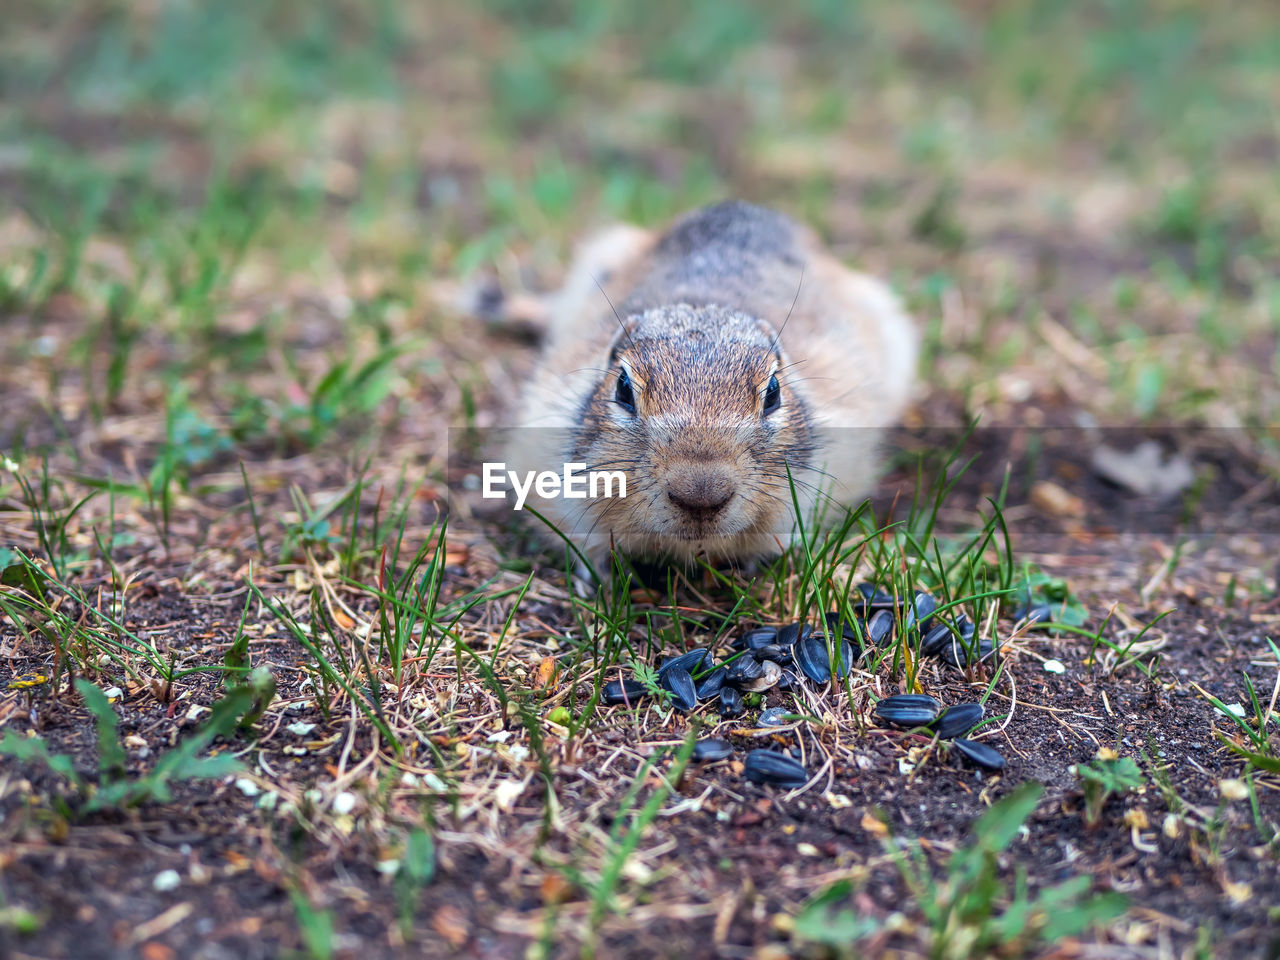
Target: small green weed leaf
(111, 757)
(1120, 773)
(996, 828)
(561, 715)
(1020, 913)
(23, 748)
(1036, 587)
(205, 768)
(16, 572)
(1107, 775)
(198, 440)
(419, 863)
(20, 920)
(829, 917)
(1073, 919)
(316, 926)
(262, 685)
(649, 677)
(112, 796)
(184, 762)
(1260, 760)
(236, 659)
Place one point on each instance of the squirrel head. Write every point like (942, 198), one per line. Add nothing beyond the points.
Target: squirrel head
(697, 406)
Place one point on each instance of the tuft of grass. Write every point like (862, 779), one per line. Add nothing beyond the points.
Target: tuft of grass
(79, 631)
(1258, 744)
(315, 925)
(971, 911)
(1109, 775)
(114, 789)
(415, 870)
(629, 825)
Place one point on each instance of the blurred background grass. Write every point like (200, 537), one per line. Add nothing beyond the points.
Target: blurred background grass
(236, 211)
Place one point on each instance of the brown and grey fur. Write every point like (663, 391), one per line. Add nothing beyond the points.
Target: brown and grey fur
(705, 313)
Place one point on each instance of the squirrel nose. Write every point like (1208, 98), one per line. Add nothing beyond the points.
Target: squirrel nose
(702, 492)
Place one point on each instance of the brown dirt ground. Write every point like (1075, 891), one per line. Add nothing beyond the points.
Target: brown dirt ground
(721, 874)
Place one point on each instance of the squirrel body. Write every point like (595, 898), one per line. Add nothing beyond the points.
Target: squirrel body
(721, 365)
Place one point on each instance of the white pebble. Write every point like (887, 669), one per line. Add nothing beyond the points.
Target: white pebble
(1233, 789)
(166, 880)
(1055, 666)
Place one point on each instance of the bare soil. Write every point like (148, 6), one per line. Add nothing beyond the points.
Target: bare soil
(726, 868)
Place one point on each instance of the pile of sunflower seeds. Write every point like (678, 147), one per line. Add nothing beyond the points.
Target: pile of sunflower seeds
(784, 657)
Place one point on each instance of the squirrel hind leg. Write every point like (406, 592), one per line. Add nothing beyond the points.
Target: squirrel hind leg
(524, 316)
(532, 316)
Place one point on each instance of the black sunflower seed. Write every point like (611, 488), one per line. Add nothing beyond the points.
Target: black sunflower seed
(793, 632)
(709, 686)
(743, 669)
(770, 651)
(957, 721)
(838, 626)
(768, 766)
(935, 639)
(911, 700)
(711, 749)
(759, 637)
(773, 717)
(872, 597)
(908, 710)
(623, 691)
(979, 753)
(963, 654)
(1040, 613)
(690, 661)
(844, 663)
(731, 702)
(769, 677)
(811, 658)
(879, 627)
(920, 611)
(684, 696)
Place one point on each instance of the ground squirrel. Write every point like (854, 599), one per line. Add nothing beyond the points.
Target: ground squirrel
(703, 362)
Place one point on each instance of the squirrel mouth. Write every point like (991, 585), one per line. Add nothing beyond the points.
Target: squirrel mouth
(713, 527)
(701, 519)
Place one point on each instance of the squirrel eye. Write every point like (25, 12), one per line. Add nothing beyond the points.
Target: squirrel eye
(623, 395)
(772, 396)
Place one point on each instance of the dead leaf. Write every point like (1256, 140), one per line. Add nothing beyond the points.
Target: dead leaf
(546, 676)
(449, 922)
(165, 921)
(1055, 500)
(556, 890)
(1144, 469)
